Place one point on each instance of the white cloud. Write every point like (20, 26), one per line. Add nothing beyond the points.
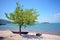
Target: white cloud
(53, 18)
(57, 14)
(56, 17)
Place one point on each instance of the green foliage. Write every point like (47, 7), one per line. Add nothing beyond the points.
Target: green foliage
(23, 17)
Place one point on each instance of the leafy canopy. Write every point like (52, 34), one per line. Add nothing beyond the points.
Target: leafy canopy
(22, 16)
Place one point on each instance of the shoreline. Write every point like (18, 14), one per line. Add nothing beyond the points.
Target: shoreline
(50, 33)
(37, 32)
(9, 35)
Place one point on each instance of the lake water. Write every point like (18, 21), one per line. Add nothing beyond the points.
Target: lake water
(52, 27)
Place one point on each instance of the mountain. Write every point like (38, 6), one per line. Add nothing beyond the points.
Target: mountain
(45, 22)
(3, 21)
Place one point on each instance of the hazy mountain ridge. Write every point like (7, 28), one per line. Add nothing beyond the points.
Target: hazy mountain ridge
(3, 21)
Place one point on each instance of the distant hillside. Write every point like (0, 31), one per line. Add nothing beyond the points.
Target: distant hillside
(45, 22)
(3, 21)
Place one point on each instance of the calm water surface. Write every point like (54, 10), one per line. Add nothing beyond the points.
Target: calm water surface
(52, 27)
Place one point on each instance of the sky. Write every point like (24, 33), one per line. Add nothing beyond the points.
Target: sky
(49, 10)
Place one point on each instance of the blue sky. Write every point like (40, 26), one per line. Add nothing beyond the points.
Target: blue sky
(49, 10)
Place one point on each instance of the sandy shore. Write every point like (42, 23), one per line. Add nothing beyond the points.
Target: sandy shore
(9, 35)
(37, 32)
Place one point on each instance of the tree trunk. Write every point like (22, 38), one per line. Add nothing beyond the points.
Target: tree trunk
(20, 29)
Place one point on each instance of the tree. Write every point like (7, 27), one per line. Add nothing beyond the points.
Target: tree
(22, 16)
